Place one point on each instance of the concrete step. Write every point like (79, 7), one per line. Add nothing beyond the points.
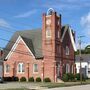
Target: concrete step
(59, 81)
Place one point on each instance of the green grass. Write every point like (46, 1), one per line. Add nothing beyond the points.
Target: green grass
(66, 84)
(53, 85)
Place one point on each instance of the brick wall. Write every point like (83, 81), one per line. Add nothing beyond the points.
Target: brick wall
(28, 61)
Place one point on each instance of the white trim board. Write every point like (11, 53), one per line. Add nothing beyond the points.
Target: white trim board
(71, 37)
(15, 45)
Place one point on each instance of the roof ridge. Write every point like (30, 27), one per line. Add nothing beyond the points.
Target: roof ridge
(36, 29)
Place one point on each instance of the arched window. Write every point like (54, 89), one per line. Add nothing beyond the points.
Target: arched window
(48, 33)
(7, 68)
(67, 50)
(72, 69)
(21, 68)
(67, 68)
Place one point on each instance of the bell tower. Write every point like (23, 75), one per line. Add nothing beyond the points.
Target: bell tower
(51, 34)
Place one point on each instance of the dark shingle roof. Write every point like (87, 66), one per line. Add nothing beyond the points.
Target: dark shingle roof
(32, 38)
(85, 58)
(65, 27)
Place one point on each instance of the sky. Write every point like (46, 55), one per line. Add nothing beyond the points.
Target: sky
(27, 14)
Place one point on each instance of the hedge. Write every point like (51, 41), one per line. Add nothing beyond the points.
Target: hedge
(22, 79)
(31, 79)
(38, 79)
(47, 79)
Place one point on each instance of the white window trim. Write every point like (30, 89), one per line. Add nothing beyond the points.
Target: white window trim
(5, 69)
(33, 69)
(71, 37)
(67, 50)
(21, 68)
(67, 68)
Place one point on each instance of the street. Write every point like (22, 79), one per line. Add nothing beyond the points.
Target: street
(83, 87)
(37, 86)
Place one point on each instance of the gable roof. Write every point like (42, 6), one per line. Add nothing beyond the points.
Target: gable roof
(32, 38)
(64, 30)
(85, 58)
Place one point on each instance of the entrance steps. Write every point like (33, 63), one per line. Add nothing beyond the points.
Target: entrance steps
(59, 80)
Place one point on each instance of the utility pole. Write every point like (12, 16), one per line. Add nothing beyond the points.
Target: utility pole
(80, 58)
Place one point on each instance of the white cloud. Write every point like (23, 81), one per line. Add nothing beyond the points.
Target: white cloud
(4, 23)
(85, 22)
(26, 14)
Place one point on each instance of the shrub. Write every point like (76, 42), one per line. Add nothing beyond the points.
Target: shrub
(71, 77)
(31, 79)
(68, 77)
(65, 78)
(15, 78)
(77, 76)
(7, 78)
(22, 79)
(47, 79)
(38, 79)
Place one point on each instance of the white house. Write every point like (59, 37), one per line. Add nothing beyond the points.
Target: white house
(85, 64)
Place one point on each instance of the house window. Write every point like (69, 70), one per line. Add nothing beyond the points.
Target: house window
(67, 50)
(67, 68)
(35, 68)
(7, 67)
(48, 33)
(20, 67)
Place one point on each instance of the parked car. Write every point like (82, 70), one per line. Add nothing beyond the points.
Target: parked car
(1, 80)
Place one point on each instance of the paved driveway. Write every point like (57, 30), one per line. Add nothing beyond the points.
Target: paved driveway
(83, 87)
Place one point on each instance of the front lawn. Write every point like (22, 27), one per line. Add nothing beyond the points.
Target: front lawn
(66, 84)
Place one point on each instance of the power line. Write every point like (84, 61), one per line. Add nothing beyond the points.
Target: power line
(24, 53)
(23, 44)
(15, 30)
(37, 48)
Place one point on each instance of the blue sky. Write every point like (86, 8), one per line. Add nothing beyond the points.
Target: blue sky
(27, 14)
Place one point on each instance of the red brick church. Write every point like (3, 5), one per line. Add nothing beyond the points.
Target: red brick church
(45, 52)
